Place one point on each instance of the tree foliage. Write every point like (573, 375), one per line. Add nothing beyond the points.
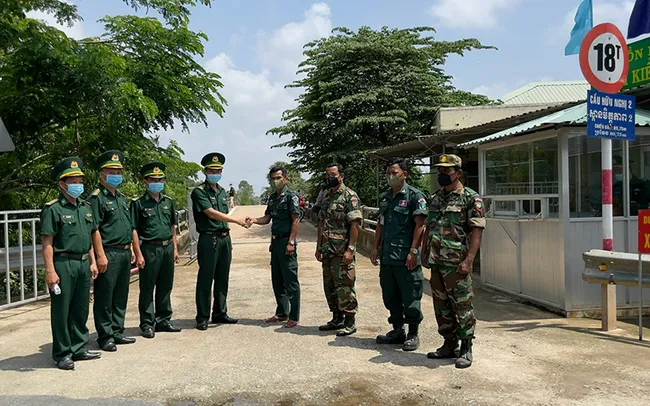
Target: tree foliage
(296, 182)
(366, 90)
(60, 96)
(245, 194)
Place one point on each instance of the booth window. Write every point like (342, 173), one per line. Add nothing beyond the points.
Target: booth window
(585, 189)
(528, 171)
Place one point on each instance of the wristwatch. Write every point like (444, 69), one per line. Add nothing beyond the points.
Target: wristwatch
(292, 242)
(351, 248)
(414, 251)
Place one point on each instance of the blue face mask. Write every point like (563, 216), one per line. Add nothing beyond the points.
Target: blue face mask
(155, 187)
(214, 179)
(113, 180)
(75, 190)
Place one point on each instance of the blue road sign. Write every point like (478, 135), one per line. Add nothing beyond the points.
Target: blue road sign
(610, 115)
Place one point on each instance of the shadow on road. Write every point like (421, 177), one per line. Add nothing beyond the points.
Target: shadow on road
(30, 363)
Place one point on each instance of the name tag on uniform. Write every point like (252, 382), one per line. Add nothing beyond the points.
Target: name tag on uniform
(165, 207)
(109, 202)
(403, 203)
(66, 217)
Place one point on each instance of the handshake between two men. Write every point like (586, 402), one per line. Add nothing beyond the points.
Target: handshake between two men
(246, 222)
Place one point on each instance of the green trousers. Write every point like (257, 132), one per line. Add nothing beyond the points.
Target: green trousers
(214, 256)
(401, 291)
(158, 275)
(338, 283)
(111, 294)
(69, 309)
(284, 277)
(452, 301)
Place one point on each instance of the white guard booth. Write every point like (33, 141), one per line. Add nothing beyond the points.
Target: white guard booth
(541, 182)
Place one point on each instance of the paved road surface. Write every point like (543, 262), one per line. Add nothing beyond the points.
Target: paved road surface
(523, 356)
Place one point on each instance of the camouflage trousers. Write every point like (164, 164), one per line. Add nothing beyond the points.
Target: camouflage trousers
(452, 301)
(338, 282)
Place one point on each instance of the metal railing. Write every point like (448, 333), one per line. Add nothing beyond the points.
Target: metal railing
(21, 258)
(369, 215)
(182, 221)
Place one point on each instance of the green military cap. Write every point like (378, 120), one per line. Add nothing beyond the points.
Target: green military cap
(213, 160)
(111, 159)
(448, 160)
(153, 169)
(70, 166)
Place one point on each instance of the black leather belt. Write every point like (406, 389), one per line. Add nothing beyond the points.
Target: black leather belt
(158, 242)
(81, 257)
(278, 236)
(217, 233)
(118, 247)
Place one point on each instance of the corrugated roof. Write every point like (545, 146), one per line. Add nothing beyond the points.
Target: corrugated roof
(571, 116)
(548, 92)
(6, 144)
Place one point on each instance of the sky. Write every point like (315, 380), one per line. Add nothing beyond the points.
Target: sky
(256, 45)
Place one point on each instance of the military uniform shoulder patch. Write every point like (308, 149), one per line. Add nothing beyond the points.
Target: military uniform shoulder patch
(422, 203)
(51, 202)
(354, 200)
(478, 204)
(96, 192)
(296, 200)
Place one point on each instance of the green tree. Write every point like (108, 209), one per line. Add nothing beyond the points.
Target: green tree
(296, 182)
(60, 96)
(245, 194)
(365, 90)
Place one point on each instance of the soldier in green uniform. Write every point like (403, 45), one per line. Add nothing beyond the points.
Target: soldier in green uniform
(111, 291)
(153, 219)
(69, 232)
(453, 237)
(338, 229)
(402, 211)
(210, 208)
(283, 209)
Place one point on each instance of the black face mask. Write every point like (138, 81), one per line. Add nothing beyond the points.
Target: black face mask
(332, 181)
(444, 179)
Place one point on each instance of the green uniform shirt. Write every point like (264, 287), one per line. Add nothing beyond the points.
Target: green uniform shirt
(153, 220)
(397, 218)
(280, 208)
(112, 216)
(339, 209)
(452, 215)
(204, 197)
(70, 225)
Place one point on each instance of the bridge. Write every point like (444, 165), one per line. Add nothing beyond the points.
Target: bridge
(523, 356)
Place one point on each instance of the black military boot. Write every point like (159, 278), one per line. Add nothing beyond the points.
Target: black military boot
(349, 326)
(335, 324)
(412, 340)
(448, 350)
(395, 336)
(465, 358)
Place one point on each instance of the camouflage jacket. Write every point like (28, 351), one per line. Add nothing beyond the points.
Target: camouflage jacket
(339, 209)
(452, 215)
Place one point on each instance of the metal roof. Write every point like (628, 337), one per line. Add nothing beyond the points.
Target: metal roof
(6, 144)
(424, 145)
(548, 92)
(575, 115)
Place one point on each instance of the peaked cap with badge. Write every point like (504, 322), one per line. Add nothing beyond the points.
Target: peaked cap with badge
(153, 170)
(448, 161)
(213, 160)
(70, 166)
(111, 159)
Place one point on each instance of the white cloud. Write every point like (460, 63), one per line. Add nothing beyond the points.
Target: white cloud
(256, 101)
(76, 31)
(282, 50)
(470, 13)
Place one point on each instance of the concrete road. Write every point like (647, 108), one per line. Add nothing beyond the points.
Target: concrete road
(523, 356)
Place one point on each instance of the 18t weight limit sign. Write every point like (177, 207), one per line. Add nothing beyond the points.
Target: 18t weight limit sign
(603, 58)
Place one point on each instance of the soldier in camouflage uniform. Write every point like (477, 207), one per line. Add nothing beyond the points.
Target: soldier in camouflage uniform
(338, 229)
(454, 227)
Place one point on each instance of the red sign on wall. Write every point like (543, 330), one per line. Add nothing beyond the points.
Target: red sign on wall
(644, 231)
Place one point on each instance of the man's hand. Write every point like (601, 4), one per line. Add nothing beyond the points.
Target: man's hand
(243, 222)
(373, 256)
(348, 257)
(133, 259)
(289, 250)
(176, 256)
(102, 264)
(250, 221)
(93, 271)
(139, 261)
(411, 261)
(466, 266)
(51, 278)
(318, 255)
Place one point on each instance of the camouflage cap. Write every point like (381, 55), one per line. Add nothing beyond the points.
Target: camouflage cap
(448, 160)
(111, 159)
(70, 166)
(153, 169)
